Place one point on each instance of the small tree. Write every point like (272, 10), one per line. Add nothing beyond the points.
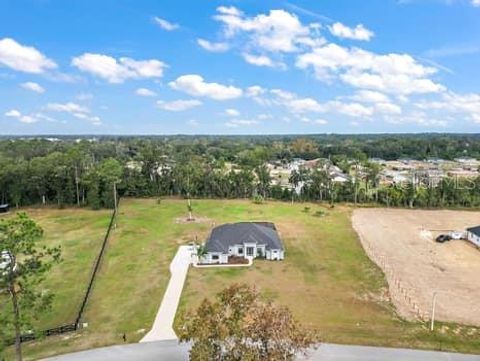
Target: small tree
(201, 251)
(23, 266)
(239, 326)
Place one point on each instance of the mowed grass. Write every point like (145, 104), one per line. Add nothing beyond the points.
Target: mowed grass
(79, 232)
(132, 278)
(326, 279)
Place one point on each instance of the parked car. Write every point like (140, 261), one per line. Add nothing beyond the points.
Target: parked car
(456, 235)
(5, 260)
(443, 238)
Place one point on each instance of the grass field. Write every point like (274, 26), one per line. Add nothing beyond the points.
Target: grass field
(80, 233)
(326, 279)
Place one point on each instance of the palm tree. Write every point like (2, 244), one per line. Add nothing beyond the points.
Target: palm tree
(294, 179)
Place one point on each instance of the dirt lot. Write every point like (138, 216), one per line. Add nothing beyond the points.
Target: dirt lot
(402, 243)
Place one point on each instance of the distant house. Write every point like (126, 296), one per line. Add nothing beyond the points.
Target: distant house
(4, 208)
(473, 235)
(244, 239)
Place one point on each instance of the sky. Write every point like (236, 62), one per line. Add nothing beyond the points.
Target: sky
(239, 67)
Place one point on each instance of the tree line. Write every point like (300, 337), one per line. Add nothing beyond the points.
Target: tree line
(70, 171)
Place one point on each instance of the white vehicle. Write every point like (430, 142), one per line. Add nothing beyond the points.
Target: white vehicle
(457, 235)
(5, 260)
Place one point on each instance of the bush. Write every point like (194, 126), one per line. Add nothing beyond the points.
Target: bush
(258, 199)
(320, 213)
(306, 209)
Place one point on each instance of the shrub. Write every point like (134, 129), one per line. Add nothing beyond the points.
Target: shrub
(258, 199)
(320, 213)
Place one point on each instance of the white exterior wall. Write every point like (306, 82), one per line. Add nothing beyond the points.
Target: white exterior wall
(473, 238)
(275, 255)
(209, 258)
(241, 251)
(235, 250)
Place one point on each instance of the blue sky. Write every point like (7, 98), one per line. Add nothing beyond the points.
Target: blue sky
(239, 67)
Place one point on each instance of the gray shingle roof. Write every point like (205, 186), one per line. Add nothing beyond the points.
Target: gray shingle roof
(474, 230)
(230, 234)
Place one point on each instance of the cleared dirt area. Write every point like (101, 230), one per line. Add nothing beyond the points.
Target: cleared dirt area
(402, 243)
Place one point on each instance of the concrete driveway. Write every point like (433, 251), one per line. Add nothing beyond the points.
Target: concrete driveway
(172, 351)
(162, 328)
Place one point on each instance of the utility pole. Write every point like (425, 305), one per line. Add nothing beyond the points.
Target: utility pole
(434, 301)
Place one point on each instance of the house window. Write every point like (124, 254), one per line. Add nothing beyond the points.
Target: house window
(215, 257)
(240, 250)
(250, 251)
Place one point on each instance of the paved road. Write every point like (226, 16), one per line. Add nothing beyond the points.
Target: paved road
(162, 328)
(172, 351)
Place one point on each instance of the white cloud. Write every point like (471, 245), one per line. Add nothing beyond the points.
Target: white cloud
(235, 123)
(35, 87)
(298, 105)
(264, 116)
(255, 91)
(23, 58)
(262, 60)
(279, 31)
(391, 73)
(93, 119)
(195, 85)
(464, 105)
(144, 92)
(67, 108)
(193, 123)
(117, 71)
(283, 94)
(476, 2)
(381, 103)
(369, 96)
(213, 47)
(14, 113)
(350, 109)
(388, 108)
(305, 105)
(178, 105)
(232, 112)
(75, 110)
(360, 32)
(419, 118)
(314, 121)
(164, 24)
(28, 119)
(229, 10)
(44, 117)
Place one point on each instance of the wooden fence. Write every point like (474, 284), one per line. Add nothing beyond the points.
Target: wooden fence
(77, 324)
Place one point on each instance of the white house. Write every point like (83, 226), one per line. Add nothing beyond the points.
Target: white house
(243, 239)
(473, 235)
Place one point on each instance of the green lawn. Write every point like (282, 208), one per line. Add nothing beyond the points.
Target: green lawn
(326, 279)
(80, 233)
